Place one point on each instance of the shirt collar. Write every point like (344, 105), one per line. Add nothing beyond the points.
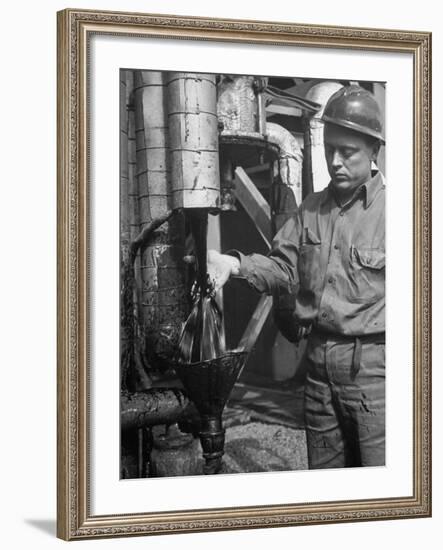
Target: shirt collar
(368, 189)
(372, 187)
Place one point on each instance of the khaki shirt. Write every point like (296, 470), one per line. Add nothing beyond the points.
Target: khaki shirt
(332, 258)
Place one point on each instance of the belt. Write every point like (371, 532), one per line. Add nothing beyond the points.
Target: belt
(358, 341)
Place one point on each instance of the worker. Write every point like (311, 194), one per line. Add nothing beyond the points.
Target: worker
(331, 257)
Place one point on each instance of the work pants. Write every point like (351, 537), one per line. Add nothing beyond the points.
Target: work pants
(345, 403)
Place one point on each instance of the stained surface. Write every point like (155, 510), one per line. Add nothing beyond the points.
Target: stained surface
(258, 447)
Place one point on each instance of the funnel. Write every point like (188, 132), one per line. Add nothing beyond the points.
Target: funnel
(208, 384)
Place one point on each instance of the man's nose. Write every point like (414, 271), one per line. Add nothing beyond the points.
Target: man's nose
(336, 159)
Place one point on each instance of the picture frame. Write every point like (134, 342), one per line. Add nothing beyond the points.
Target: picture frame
(77, 209)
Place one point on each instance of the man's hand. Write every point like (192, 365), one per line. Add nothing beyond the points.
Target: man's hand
(221, 267)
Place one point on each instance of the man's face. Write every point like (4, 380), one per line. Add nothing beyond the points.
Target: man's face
(348, 156)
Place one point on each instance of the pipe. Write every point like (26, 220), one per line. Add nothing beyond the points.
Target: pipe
(164, 304)
(227, 197)
(193, 134)
(237, 105)
(124, 170)
(134, 211)
(153, 407)
(290, 159)
(126, 325)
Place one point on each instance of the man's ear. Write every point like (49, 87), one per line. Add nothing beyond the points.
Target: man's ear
(375, 150)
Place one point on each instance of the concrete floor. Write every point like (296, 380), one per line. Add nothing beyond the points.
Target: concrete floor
(260, 447)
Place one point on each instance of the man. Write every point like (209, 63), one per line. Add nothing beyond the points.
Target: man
(333, 254)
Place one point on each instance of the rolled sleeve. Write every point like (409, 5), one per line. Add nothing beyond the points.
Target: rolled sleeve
(277, 272)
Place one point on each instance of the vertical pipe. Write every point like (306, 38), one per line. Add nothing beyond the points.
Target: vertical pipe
(134, 214)
(124, 180)
(237, 105)
(227, 197)
(261, 84)
(380, 96)
(134, 209)
(163, 292)
(138, 378)
(152, 146)
(193, 131)
(290, 158)
(320, 175)
(126, 326)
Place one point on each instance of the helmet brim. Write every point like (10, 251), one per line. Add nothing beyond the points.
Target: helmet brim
(354, 126)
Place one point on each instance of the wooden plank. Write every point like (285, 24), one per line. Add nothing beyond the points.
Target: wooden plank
(256, 323)
(254, 203)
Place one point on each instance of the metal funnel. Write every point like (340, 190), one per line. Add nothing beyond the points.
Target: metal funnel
(208, 384)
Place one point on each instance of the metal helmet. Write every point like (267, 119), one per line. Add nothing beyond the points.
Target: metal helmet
(355, 108)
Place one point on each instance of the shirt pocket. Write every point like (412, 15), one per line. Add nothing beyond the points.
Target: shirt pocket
(367, 274)
(309, 261)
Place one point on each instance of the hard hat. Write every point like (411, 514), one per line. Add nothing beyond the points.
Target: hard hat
(355, 108)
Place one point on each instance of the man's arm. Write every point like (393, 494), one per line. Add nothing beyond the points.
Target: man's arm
(272, 274)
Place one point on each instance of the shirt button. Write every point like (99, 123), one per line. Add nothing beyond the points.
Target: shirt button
(324, 315)
(336, 246)
(342, 213)
(330, 280)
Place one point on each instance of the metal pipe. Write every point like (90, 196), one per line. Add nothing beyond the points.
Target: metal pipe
(134, 207)
(127, 325)
(227, 198)
(290, 159)
(260, 86)
(193, 133)
(153, 407)
(237, 105)
(164, 302)
(124, 172)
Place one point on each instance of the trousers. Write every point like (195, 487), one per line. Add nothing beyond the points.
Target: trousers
(344, 406)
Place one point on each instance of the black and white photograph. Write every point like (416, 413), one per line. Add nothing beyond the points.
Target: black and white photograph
(252, 273)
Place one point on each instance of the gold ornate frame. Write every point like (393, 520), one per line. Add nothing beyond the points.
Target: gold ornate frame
(74, 518)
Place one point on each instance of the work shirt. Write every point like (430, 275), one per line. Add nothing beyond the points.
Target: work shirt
(332, 258)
